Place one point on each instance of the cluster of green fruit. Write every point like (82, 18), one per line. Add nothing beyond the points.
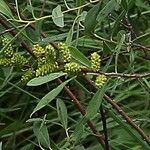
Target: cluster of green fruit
(49, 60)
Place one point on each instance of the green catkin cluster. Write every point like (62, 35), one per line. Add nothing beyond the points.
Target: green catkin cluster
(5, 62)
(46, 59)
(46, 69)
(64, 52)
(18, 60)
(51, 52)
(73, 68)
(29, 74)
(100, 80)
(8, 52)
(95, 61)
(38, 51)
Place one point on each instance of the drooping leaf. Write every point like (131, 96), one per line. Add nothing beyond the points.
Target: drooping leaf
(90, 20)
(142, 37)
(62, 113)
(4, 9)
(79, 148)
(44, 79)
(58, 17)
(79, 56)
(0, 145)
(41, 132)
(79, 129)
(110, 6)
(95, 103)
(50, 96)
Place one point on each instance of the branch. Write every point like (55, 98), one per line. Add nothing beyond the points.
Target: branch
(113, 74)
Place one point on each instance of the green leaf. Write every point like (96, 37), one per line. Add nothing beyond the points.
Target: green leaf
(41, 80)
(78, 56)
(49, 97)
(12, 128)
(90, 20)
(62, 112)
(79, 2)
(41, 132)
(0, 145)
(128, 129)
(142, 38)
(79, 148)
(79, 129)
(70, 35)
(58, 17)
(4, 9)
(83, 16)
(117, 23)
(95, 103)
(110, 6)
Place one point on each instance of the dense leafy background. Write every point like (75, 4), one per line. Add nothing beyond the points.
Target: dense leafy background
(120, 31)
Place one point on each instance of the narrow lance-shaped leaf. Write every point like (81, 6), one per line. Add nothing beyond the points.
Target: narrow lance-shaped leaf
(41, 80)
(62, 113)
(79, 56)
(110, 6)
(4, 9)
(95, 103)
(50, 96)
(90, 20)
(41, 132)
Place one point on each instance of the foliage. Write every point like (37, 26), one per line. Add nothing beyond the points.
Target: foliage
(74, 73)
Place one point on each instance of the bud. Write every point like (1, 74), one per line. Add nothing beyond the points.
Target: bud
(65, 54)
(95, 61)
(100, 80)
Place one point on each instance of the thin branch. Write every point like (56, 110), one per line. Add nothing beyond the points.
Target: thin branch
(113, 74)
(6, 31)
